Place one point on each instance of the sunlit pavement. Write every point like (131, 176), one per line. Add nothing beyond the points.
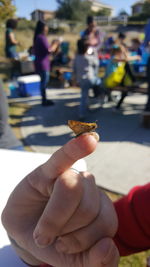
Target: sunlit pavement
(122, 158)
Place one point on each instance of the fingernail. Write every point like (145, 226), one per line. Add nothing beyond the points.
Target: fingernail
(107, 251)
(60, 246)
(95, 135)
(42, 241)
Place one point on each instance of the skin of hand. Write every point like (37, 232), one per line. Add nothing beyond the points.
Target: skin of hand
(54, 47)
(59, 216)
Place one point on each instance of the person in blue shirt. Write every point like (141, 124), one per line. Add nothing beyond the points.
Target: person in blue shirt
(11, 41)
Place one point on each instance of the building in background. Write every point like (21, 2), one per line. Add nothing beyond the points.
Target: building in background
(39, 14)
(98, 5)
(137, 7)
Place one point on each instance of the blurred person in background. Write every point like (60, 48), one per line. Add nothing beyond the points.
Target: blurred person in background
(147, 107)
(147, 34)
(42, 50)
(121, 39)
(86, 74)
(93, 33)
(136, 46)
(11, 41)
(146, 113)
(119, 73)
(11, 44)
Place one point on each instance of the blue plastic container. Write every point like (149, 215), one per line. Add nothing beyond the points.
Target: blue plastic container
(29, 85)
(14, 90)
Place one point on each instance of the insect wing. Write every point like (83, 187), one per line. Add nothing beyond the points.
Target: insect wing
(81, 127)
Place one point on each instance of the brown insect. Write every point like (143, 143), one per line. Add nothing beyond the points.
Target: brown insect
(81, 127)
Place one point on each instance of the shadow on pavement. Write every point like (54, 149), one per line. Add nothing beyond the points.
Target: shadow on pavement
(47, 126)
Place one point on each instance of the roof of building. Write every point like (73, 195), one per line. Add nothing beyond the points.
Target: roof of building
(101, 4)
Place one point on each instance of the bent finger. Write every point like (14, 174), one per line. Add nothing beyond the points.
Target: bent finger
(84, 238)
(89, 206)
(65, 199)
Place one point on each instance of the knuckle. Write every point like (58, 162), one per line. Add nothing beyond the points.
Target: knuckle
(70, 181)
(47, 224)
(91, 209)
(88, 175)
(89, 213)
(75, 244)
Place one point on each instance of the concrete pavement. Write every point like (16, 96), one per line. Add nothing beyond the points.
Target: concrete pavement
(122, 158)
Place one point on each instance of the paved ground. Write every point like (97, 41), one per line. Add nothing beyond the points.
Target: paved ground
(122, 158)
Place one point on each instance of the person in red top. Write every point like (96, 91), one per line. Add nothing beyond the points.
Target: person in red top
(133, 212)
(59, 216)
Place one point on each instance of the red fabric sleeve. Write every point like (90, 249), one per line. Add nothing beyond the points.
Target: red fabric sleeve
(134, 221)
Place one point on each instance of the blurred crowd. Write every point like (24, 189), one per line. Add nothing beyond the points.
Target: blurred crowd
(122, 61)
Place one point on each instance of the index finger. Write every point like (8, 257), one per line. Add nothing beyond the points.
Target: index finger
(68, 154)
(43, 177)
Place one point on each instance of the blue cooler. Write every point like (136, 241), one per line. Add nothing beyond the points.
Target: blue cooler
(29, 85)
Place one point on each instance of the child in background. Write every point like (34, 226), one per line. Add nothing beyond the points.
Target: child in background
(11, 41)
(118, 58)
(118, 72)
(86, 67)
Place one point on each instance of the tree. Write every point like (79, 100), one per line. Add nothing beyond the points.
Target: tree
(123, 12)
(144, 14)
(103, 12)
(146, 9)
(7, 10)
(75, 10)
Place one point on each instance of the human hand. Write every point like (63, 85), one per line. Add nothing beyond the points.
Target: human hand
(55, 206)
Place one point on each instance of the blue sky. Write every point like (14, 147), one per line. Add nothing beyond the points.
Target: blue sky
(25, 7)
